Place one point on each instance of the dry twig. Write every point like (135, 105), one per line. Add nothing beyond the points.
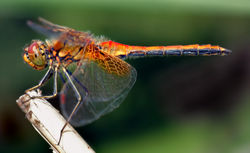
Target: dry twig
(48, 122)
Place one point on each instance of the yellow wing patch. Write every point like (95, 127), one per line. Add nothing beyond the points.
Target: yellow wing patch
(112, 64)
(109, 63)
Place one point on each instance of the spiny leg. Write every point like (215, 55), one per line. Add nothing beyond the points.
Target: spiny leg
(55, 92)
(79, 101)
(45, 78)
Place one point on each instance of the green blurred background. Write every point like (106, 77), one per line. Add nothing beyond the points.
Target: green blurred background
(178, 104)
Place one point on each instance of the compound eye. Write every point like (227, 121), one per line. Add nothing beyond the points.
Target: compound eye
(34, 49)
(35, 55)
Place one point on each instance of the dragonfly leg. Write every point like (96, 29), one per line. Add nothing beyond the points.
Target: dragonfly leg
(55, 92)
(45, 78)
(79, 101)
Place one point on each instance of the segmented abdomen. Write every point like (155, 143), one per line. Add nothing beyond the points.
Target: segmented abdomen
(126, 51)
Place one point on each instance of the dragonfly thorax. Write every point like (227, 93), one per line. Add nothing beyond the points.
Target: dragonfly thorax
(35, 55)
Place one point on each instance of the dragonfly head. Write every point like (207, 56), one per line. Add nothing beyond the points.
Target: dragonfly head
(35, 55)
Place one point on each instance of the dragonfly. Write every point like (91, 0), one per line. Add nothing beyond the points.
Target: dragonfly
(96, 76)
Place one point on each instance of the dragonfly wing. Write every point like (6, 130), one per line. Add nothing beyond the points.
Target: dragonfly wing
(107, 82)
(61, 34)
(47, 28)
(50, 24)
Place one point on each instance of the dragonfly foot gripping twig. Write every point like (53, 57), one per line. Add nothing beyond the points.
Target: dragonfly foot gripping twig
(48, 123)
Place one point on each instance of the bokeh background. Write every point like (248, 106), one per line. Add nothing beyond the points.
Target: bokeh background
(178, 104)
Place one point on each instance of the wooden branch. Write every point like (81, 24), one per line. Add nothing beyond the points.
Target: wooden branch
(48, 122)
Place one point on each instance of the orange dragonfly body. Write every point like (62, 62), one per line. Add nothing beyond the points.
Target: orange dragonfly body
(101, 79)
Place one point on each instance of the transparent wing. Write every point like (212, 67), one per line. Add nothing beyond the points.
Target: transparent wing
(107, 80)
(61, 34)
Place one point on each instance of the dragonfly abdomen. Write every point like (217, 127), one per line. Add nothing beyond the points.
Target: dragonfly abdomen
(187, 50)
(126, 51)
